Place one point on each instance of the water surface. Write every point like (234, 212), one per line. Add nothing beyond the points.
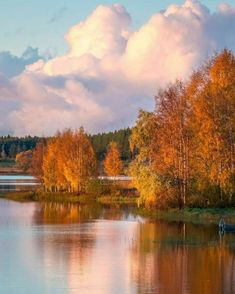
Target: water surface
(56, 248)
(17, 183)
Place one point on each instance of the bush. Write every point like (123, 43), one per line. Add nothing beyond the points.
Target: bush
(94, 187)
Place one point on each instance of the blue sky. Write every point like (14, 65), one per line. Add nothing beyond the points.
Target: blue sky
(43, 23)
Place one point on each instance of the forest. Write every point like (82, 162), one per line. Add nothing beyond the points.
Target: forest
(11, 146)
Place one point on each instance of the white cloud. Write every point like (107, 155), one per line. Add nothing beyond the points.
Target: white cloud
(103, 33)
(111, 71)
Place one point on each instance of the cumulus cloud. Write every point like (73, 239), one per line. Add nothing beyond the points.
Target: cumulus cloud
(11, 65)
(110, 71)
(103, 33)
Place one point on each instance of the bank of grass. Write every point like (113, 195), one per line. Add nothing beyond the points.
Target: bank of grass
(8, 166)
(4, 163)
(19, 196)
(191, 215)
(117, 200)
(39, 195)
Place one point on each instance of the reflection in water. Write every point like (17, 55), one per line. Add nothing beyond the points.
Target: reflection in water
(97, 259)
(56, 248)
(183, 258)
(59, 213)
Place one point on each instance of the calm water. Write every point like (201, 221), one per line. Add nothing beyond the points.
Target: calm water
(55, 248)
(17, 182)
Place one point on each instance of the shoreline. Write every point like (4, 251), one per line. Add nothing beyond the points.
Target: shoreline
(187, 215)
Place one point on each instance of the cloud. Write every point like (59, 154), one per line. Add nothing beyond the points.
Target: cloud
(110, 71)
(11, 65)
(104, 32)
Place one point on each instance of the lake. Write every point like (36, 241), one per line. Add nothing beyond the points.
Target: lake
(17, 182)
(69, 248)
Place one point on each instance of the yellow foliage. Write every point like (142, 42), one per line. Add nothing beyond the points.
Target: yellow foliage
(188, 142)
(112, 163)
(24, 160)
(69, 162)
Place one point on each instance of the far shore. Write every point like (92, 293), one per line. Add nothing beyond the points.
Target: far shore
(12, 171)
(8, 167)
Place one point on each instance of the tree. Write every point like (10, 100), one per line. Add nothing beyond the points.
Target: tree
(112, 163)
(170, 144)
(12, 151)
(213, 120)
(37, 159)
(102, 140)
(162, 139)
(24, 160)
(147, 183)
(69, 162)
(187, 145)
(50, 167)
(153, 189)
(80, 161)
(3, 152)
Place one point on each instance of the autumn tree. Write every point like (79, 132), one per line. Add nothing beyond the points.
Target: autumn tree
(144, 179)
(186, 147)
(170, 145)
(162, 140)
(112, 163)
(69, 162)
(24, 160)
(37, 159)
(50, 167)
(213, 120)
(79, 163)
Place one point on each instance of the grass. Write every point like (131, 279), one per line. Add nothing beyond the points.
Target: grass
(8, 166)
(38, 195)
(7, 163)
(192, 215)
(117, 200)
(19, 196)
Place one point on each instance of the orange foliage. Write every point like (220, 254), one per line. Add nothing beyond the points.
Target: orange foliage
(188, 142)
(69, 162)
(213, 122)
(24, 160)
(37, 159)
(112, 162)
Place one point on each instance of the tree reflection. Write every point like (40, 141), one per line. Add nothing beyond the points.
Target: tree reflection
(60, 213)
(151, 257)
(182, 258)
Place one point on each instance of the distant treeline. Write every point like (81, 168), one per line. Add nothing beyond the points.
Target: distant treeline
(11, 146)
(101, 141)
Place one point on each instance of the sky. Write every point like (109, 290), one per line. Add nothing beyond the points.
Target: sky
(42, 24)
(71, 63)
